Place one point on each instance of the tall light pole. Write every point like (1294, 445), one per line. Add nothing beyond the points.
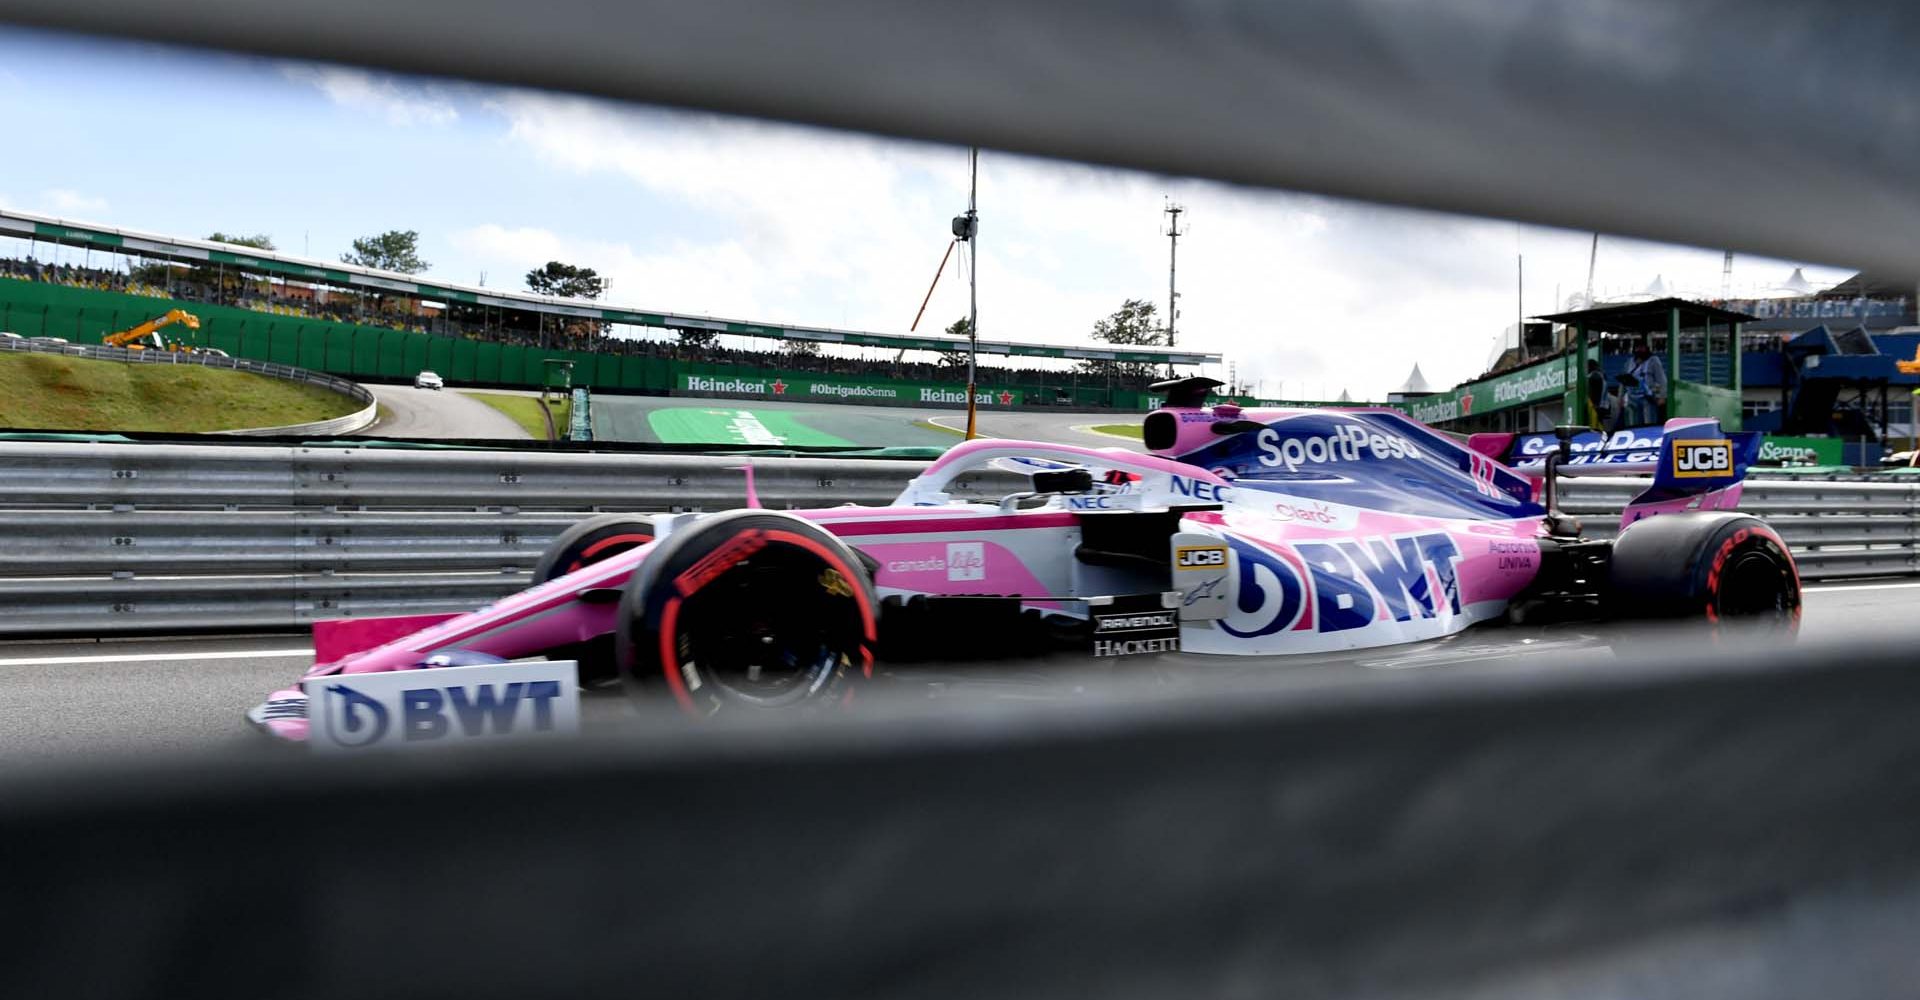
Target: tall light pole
(1173, 234)
(965, 229)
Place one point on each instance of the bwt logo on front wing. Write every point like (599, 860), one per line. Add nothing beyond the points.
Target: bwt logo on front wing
(432, 713)
(1200, 556)
(1702, 459)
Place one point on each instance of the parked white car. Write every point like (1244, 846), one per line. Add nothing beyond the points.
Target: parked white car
(428, 380)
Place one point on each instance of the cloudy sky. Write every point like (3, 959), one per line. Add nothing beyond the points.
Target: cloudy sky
(695, 213)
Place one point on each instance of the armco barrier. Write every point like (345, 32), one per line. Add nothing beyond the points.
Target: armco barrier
(168, 537)
(160, 537)
(1836, 529)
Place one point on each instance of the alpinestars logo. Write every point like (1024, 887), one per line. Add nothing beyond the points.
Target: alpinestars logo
(1351, 443)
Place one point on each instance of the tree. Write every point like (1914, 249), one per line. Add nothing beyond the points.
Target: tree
(258, 241)
(569, 281)
(956, 359)
(1135, 324)
(697, 340)
(392, 250)
(566, 281)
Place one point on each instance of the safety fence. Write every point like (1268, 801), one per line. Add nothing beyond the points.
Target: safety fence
(105, 538)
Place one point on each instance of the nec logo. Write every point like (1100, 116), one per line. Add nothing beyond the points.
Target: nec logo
(1701, 459)
(1210, 492)
(1200, 556)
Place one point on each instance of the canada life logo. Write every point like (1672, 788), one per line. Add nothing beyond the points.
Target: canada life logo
(1350, 443)
(966, 561)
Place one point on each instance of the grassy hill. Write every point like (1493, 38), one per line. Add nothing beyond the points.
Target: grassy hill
(61, 392)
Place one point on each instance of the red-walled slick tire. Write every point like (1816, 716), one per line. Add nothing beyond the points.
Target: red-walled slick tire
(1727, 570)
(750, 609)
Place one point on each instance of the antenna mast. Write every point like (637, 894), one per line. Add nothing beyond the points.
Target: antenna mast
(1593, 257)
(965, 228)
(1173, 233)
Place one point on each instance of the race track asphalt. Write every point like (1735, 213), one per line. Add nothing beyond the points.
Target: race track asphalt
(680, 420)
(426, 413)
(71, 700)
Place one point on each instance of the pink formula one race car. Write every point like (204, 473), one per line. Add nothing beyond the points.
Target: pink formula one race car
(1254, 532)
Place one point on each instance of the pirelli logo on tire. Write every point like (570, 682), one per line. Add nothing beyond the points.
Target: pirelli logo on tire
(1200, 557)
(1702, 459)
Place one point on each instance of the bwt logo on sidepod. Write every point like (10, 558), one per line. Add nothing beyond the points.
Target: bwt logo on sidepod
(1348, 585)
(1347, 443)
(1701, 459)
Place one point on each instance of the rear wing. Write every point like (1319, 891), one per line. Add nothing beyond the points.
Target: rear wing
(1632, 451)
(1694, 464)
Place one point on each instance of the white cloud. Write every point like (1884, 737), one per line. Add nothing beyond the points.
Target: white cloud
(402, 104)
(806, 226)
(67, 202)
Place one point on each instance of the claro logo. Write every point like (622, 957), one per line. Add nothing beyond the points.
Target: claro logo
(1702, 459)
(1351, 443)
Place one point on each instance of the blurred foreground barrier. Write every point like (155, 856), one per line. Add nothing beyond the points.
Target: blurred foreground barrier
(1686, 829)
(105, 538)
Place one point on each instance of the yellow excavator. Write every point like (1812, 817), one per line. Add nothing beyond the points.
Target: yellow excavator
(146, 336)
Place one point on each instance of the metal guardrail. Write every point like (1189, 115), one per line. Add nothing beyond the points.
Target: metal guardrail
(157, 537)
(357, 420)
(1836, 529)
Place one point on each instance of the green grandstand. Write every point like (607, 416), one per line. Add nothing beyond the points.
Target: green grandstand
(81, 282)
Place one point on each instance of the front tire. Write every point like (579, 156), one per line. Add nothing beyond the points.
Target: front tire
(1724, 570)
(749, 609)
(590, 541)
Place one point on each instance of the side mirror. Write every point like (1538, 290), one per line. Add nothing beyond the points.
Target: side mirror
(1063, 481)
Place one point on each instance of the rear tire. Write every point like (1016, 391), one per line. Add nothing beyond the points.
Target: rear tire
(590, 541)
(745, 610)
(1724, 570)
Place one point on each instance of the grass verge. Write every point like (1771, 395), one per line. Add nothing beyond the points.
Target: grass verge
(1119, 430)
(525, 411)
(62, 392)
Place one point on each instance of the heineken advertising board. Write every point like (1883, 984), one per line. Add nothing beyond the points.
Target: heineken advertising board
(1799, 451)
(1514, 388)
(829, 389)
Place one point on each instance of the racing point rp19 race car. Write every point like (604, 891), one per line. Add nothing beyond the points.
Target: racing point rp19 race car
(1243, 532)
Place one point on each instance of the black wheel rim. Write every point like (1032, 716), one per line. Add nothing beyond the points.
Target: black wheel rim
(1752, 587)
(762, 631)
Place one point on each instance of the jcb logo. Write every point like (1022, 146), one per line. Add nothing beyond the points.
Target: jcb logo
(1701, 459)
(1200, 556)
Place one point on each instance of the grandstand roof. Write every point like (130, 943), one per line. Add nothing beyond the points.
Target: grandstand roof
(29, 226)
(1644, 317)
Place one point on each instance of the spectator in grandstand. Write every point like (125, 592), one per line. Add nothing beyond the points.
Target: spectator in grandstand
(1599, 404)
(1646, 388)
